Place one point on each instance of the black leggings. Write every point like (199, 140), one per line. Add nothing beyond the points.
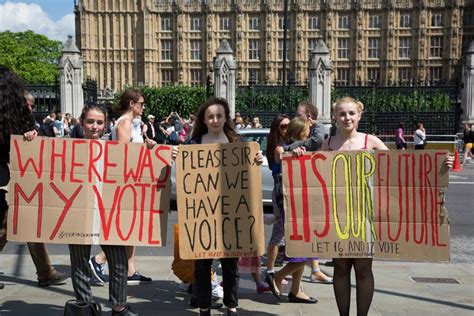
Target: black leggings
(364, 284)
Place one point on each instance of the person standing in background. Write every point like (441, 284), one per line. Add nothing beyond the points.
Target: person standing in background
(419, 137)
(400, 141)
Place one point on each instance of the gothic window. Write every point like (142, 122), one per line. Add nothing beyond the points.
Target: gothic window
(437, 20)
(373, 48)
(436, 46)
(313, 23)
(254, 23)
(344, 22)
(374, 21)
(280, 49)
(195, 77)
(253, 75)
(404, 49)
(195, 50)
(343, 48)
(166, 77)
(373, 74)
(404, 74)
(405, 20)
(342, 76)
(195, 24)
(254, 49)
(166, 50)
(224, 24)
(166, 25)
(435, 74)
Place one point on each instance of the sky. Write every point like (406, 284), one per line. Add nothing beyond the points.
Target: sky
(53, 18)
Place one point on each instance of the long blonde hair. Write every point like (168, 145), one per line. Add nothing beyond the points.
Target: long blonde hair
(298, 126)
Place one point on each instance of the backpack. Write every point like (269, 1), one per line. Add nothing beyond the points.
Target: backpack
(46, 129)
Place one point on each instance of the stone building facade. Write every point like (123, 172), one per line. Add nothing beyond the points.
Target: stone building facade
(159, 42)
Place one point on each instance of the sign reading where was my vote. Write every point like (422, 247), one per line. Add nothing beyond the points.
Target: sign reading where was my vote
(384, 204)
(82, 191)
(219, 196)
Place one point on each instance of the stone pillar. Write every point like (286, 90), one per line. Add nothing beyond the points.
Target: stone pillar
(320, 81)
(70, 68)
(467, 102)
(224, 75)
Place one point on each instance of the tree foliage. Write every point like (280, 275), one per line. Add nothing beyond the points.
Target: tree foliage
(32, 56)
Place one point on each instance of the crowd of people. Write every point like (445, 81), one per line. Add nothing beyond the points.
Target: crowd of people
(212, 124)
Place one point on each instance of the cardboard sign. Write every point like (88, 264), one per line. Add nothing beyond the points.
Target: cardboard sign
(385, 204)
(82, 191)
(219, 193)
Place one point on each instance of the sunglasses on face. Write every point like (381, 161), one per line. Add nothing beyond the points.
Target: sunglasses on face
(284, 126)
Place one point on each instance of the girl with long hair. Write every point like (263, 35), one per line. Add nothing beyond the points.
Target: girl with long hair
(276, 139)
(298, 129)
(214, 125)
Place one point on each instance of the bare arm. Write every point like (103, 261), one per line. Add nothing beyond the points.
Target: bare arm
(375, 143)
(124, 130)
(277, 154)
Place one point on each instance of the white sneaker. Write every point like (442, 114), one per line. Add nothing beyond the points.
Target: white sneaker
(217, 292)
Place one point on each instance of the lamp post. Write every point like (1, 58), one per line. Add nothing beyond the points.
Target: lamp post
(283, 85)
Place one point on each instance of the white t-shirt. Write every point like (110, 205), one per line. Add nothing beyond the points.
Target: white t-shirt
(419, 137)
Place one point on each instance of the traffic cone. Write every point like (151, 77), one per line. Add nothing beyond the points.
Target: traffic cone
(457, 163)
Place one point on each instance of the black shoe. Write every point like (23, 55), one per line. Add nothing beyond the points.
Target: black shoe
(214, 305)
(137, 279)
(329, 263)
(55, 277)
(205, 313)
(232, 313)
(294, 299)
(127, 311)
(271, 283)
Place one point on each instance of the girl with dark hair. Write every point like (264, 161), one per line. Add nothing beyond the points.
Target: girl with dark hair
(16, 119)
(276, 139)
(298, 129)
(214, 125)
(131, 105)
(94, 121)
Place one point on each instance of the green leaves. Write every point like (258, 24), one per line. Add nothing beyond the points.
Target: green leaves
(397, 100)
(32, 56)
(160, 101)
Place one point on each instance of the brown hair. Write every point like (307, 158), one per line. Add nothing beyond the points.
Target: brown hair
(128, 96)
(200, 127)
(274, 139)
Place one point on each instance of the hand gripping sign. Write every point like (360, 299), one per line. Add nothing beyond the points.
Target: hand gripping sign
(82, 191)
(356, 204)
(219, 193)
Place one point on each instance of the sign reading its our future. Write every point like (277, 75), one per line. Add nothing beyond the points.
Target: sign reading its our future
(82, 191)
(219, 196)
(387, 204)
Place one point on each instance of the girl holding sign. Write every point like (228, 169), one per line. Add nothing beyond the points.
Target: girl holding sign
(297, 130)
(132, 103)
(93, 120)
(214, 126)
(347, 114)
